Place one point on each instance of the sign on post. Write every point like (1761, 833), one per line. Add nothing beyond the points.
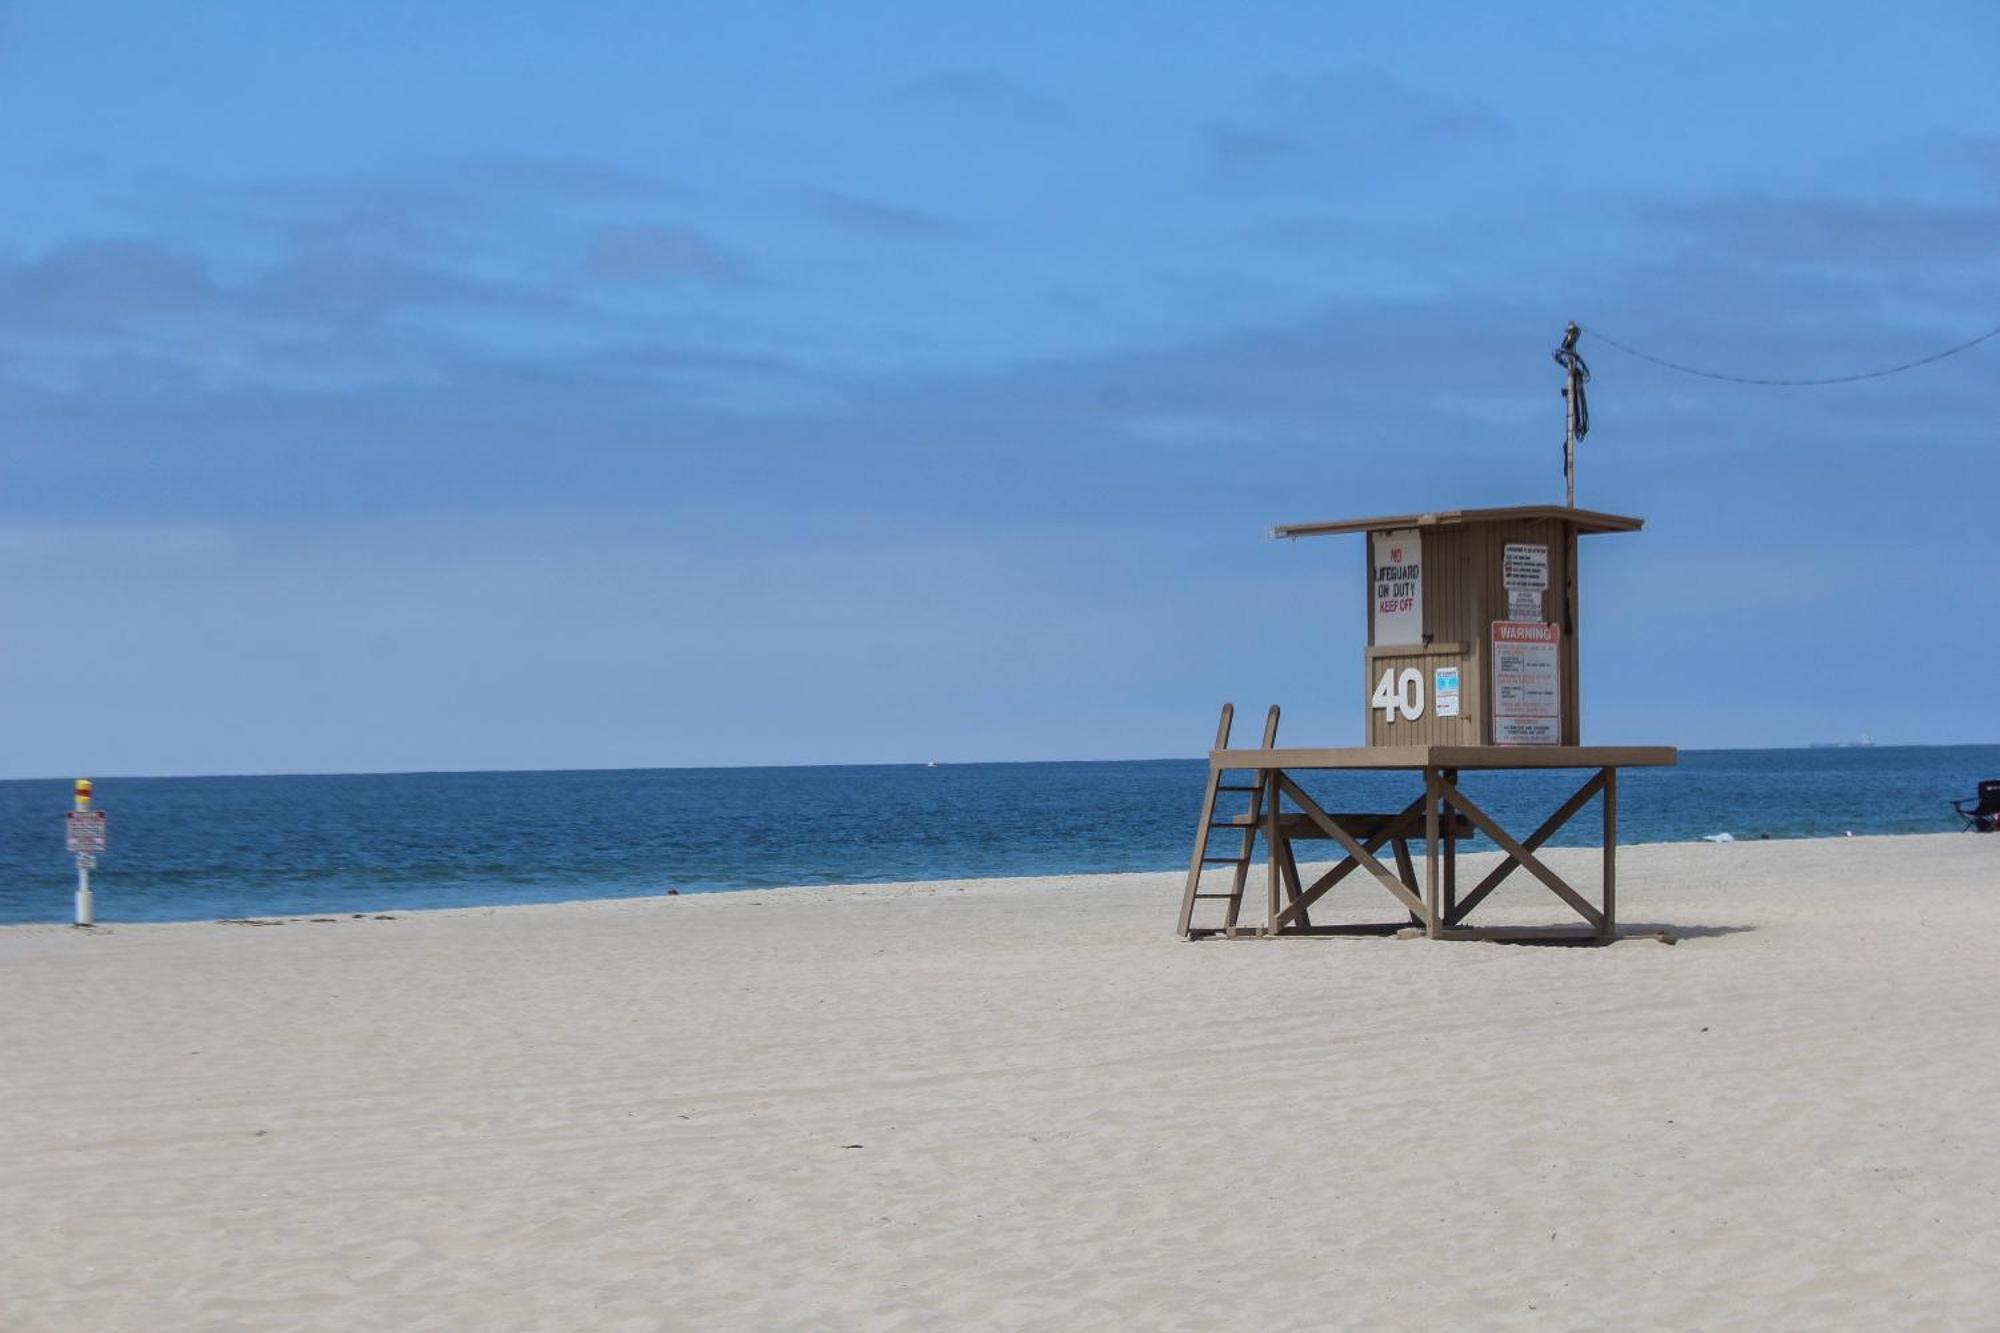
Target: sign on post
(85, 834)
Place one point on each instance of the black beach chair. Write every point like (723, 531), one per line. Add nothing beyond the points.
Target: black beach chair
(1982, 813)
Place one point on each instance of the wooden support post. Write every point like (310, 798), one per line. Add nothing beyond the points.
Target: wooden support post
(1269, 795)
(1431, 886)
(1451, 858)
(1609, 926)
(1273, 863)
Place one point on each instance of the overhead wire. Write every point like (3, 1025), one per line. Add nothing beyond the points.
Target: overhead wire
(1954, 350)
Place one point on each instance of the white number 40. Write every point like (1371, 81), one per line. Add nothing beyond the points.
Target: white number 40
(1399, 694)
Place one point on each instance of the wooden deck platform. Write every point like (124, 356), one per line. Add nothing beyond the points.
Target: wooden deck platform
(1440, 816)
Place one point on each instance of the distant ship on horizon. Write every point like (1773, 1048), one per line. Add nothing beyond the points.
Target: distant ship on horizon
(1862, 742)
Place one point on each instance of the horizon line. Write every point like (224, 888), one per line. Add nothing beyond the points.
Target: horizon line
(893, 763)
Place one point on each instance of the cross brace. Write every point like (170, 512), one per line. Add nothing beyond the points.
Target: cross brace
(1359, 854)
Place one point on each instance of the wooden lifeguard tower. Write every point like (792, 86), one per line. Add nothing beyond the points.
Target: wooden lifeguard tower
(1470, 663)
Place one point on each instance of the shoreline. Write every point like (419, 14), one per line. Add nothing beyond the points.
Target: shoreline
(345, 914)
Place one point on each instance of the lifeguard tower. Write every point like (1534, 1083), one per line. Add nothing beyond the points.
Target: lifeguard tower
(1470, 664)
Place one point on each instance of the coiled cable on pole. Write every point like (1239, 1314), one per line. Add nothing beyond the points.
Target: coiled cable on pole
(1578, 374)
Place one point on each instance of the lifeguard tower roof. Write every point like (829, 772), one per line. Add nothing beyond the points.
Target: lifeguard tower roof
(1582, 520)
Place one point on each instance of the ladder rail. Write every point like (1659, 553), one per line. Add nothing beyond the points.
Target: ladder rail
(1259, 792)
(1207, 814)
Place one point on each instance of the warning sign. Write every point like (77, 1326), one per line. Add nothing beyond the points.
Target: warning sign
(86, 833)
(1527, 683)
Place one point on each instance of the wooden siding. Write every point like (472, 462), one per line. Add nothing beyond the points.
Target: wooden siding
(1429, 729)
(1464, 592)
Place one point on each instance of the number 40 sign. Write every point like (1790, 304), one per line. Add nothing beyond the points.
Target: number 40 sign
(1400, 694)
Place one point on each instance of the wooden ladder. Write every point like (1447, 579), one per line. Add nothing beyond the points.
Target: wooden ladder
(1248, 824)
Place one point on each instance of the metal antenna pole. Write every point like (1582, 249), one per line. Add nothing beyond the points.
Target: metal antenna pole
(1569, 453)
(1576, 409)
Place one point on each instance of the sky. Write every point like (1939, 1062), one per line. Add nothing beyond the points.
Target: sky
(472, 386)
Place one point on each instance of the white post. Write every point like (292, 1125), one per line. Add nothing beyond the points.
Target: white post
(84, 844)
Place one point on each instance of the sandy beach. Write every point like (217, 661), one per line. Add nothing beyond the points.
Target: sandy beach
(1023, 1104)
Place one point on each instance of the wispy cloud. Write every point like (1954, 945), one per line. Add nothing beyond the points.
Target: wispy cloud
(1883, 231)
(875, 215)
(350, 287)
(439, 209)
(976, 93)
(1234, 150)
(103, 285)
(628, 253)
(1339, 114)
(1371, 106)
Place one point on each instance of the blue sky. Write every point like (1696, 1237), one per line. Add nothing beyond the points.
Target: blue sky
(505, 386)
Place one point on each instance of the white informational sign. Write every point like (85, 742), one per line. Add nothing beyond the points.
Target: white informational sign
(1524, 569)
(1444, 691)
(86, 833)
(1524, 565)
(1398, 584)
(1527, 683)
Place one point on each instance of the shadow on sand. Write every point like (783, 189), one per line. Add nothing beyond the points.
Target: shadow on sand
(1660, 932)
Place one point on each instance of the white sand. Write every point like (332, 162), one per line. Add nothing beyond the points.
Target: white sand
(637, 1115)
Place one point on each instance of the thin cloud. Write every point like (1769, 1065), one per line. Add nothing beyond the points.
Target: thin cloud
(459, 185)
(875, 215)
(1234, 150)
(1892, 231)
(621, 254)
(1980, 152)
(436, 210)
(977, 93)
(351, 287)
(93, 285)
(1372, 106)
(559, 177)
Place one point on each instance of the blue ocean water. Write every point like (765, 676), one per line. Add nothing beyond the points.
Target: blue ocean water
(199, 848)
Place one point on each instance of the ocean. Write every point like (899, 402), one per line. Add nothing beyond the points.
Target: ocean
(200, 848)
